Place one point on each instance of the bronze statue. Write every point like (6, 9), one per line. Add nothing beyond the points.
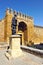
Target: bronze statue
(14, 24)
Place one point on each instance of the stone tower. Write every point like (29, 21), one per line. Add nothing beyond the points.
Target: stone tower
(8, 21)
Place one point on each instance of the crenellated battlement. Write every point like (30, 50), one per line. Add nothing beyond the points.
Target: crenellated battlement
(10, 11)
(22, 15)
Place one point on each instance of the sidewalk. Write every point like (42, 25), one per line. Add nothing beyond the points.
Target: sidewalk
(25, 59)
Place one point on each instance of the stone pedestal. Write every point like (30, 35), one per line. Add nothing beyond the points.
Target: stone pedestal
(14, 50)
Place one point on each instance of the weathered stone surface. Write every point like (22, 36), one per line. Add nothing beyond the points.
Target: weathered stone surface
(2, 31)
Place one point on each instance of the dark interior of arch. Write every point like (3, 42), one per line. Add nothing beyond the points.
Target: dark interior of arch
(22, 26)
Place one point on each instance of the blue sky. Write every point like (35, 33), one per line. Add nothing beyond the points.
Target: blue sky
(32, 8)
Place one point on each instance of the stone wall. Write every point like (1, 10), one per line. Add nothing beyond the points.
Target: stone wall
(2, 31)
(39, 32)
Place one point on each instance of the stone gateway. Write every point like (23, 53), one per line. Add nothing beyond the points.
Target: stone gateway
(15, 22)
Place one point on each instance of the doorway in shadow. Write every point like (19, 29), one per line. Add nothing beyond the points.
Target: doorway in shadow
(22, 28)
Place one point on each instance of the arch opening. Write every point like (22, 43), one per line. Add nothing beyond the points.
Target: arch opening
(22, 29)
(22, 26)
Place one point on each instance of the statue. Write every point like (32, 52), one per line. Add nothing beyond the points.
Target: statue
(14, 24)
